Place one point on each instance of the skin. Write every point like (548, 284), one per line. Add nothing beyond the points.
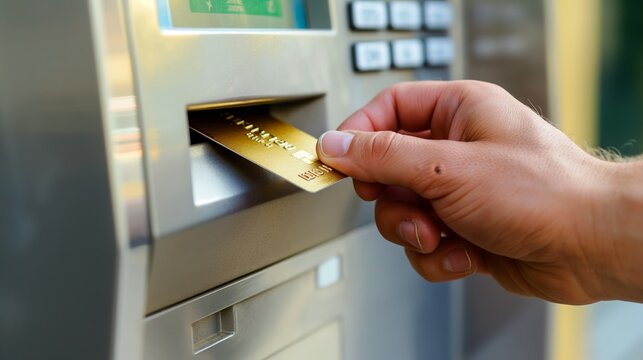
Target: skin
(469, 180)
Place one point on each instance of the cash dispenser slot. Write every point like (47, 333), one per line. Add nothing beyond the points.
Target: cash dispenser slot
(283, 312)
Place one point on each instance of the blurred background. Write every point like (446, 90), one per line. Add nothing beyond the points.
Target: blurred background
(598, 65)
(592, 53)
(600, 72)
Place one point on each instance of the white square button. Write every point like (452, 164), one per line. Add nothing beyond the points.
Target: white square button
(438, 15)
(368, 15)
(371, 56)
(408, 53)
(405, 15)
(439, 51)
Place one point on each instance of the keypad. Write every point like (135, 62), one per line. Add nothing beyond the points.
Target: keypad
(427, 22)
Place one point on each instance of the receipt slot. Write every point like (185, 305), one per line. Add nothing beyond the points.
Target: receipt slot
(162, 244)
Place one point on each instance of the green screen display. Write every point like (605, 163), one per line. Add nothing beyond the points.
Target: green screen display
(245, 14)
(244, 7)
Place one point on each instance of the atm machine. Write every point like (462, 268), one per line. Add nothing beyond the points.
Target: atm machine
(127, 236)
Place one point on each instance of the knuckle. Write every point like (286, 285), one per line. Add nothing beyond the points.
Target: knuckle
(483, 87)
(396, 88)
(382, 146)
(497, 89)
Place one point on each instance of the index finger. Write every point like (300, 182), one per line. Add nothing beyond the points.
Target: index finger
(411, 106)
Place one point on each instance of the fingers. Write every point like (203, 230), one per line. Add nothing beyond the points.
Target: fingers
(415, 107)
(368, 191)
(409, 135)
(453, 259)
(401, 220)
(431, 168)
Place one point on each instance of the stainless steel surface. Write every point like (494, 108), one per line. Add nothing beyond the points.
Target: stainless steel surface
(323, 344)
(76, 224)
(58, 247)
(213, 253)
(505, 43)
(237, 184)
(271, 308)
(499, 325)
(403, 317)
(127, 180)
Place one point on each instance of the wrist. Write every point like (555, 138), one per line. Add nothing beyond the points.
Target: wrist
(618, 231)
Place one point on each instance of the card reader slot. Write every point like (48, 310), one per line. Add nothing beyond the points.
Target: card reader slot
(221, 177)
(223, 182)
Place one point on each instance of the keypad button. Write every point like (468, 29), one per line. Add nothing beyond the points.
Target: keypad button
(368, 15)
(439, 51)
(408, 53)
(438, 15)
(405, 15)
(371, 56)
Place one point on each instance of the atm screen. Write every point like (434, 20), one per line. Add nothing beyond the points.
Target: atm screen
(245, 14)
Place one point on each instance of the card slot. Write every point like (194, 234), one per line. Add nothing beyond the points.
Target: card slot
(270, 143)
(232, 182)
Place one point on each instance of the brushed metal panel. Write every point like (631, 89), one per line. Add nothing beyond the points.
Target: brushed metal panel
(57, 237)
(323, 344)
(272, 308)
(194, 260)
(505, 43)
(126, 175)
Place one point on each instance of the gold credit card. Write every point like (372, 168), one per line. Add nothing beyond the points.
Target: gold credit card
(270, 143)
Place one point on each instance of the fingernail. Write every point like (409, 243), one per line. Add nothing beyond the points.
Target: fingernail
(457, 261)
(408, 231)
(335, 143)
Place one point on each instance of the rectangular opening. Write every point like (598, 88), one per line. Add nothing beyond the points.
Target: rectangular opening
(213, 329)
(232, 183)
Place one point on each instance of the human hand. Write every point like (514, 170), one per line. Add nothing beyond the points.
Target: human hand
(515, 197)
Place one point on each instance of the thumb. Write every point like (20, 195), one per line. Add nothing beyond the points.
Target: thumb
(431, 168)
